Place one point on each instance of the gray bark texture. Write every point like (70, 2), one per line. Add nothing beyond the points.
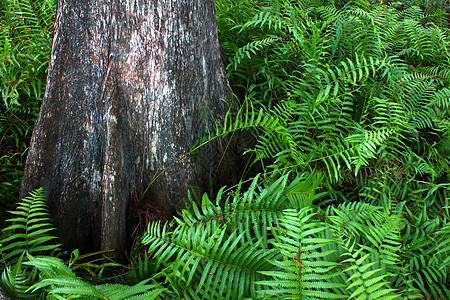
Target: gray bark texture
(131, 86)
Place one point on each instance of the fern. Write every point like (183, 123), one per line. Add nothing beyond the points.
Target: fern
(251, 48)
(443, 247)
(425, 252)
(346, 94)
(29, 270)
(26, 43)
(303, 266)
(199, 256)
(60, 282)
(367, 143)
(351, 107)
(26, 28)
(227, 241)
(369, 239)
(29, 230)
(16, 280)
(348, 109)
(366, 281)
(142, 267)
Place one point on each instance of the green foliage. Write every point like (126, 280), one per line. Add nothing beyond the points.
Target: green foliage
(25, 41)
(345, 111)
(305, 267)
(215, 243)
(360, 94)
(370, 241)
(227, 241)
(266, 246)
(29, 229)
(30, 266)
(59, 282)
(29, 232)
(26, 28)
(10, 177)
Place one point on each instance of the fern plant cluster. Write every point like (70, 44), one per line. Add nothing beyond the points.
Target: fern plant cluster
(358, 96)
(270, 241)
(26, 29)
(25, 41)
(32, 268)
(360, 93)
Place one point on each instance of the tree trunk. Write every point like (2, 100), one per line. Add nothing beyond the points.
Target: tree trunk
(131, 86)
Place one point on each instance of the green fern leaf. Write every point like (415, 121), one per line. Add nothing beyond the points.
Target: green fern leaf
(305, 270)
(29, 230)
(193, 255)
(59, 280)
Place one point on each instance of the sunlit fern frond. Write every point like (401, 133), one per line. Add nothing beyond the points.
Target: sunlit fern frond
(29, 230)
(16, 279)
(251, 49)
(425, 248)
(351, 221)
(201, 263)
(366, 279)
(58, 280)
(252, 213)
(303, 268)
(256, 211)
(368, 145)
(441, 99)
(276, 135)
(369, 239)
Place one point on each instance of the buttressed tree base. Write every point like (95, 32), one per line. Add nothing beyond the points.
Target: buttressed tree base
(131, 86)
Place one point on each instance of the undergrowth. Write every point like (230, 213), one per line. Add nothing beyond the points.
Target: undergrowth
(25, 40)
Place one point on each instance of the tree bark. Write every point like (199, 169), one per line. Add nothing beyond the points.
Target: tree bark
(131, 86)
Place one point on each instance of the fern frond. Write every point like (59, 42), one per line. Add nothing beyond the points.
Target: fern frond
(444, 245)
(441, 98)
(348, 220)
(425, 250)
(198, 260)
(367, 143)
(26, 42)
(300, 193)
(365, 280)
(270, 18)
(250, 49)
(389, 113)
(142, 291)
(255, 212)
(59, 280)
(16, 280)
(29, 230)
(368, 225)
(369, 239)
(304, 268)
(61, 285)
